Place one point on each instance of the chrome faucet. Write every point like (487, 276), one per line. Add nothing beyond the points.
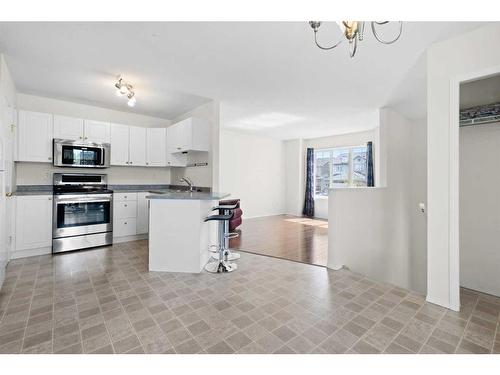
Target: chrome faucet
(188, 181)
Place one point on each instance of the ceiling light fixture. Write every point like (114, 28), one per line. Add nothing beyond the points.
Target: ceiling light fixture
(354, 32)
(125, 89)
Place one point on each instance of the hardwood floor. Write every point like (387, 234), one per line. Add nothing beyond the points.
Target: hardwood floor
(289, 237)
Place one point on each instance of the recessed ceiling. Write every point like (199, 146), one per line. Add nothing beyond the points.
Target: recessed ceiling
(269, 76)
(480, 92)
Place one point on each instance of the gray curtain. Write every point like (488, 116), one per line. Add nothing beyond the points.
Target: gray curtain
(370, 181)
(309, 196)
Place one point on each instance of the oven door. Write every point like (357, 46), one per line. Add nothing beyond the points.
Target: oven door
(74, 154)
(80, 214)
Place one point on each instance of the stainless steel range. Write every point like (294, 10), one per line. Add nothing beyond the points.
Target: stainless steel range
(83, 212)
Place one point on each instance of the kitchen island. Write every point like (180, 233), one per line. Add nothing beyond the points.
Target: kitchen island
(179, 238)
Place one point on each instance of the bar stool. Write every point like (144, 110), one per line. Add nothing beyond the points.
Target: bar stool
(221, 264)
(227, 209)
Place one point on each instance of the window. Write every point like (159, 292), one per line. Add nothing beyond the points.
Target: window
(339, 167)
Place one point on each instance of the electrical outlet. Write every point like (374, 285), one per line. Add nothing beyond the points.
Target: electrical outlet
(421, 207)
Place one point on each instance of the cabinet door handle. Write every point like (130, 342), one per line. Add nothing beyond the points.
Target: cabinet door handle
(80, 137)
(8, 194)
(50, 199)
(125, 223)
(50, 158)
(125, 205)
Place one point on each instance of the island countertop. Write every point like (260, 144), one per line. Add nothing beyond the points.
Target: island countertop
(195, 195)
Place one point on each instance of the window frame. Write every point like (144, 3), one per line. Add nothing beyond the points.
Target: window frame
(350, 163)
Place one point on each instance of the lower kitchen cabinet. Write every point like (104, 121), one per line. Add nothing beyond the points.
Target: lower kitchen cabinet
(130, 214)
(33, 225)
(124, 227)
(32, 229)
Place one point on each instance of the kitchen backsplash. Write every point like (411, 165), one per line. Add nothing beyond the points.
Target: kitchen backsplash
(41, 174)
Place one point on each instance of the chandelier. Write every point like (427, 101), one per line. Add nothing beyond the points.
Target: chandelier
(354, 32)
(125, 89)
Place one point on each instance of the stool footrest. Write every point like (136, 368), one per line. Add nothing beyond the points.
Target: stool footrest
(219, 217)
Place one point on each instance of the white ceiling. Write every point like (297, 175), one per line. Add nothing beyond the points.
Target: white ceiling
(270, 76)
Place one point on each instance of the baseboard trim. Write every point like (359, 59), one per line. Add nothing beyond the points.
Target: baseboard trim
(30, 252)
(136, 237)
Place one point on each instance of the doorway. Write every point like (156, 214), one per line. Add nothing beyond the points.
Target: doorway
(479, 182)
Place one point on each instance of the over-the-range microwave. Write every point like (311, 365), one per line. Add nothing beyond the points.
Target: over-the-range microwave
(75, 154)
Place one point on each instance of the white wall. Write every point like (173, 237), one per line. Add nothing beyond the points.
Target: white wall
(467, 54)
(7, 118)
(418, 194)
(294, 176)
(63, 107)
(371, 230)
(480, 208)
(252, 168)
(41, 174)
(202, 176)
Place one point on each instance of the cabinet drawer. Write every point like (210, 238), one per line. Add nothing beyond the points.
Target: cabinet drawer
(125, 209)
(125, 197)
(124, 227)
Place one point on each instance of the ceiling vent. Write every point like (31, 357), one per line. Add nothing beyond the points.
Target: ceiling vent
(484, 114)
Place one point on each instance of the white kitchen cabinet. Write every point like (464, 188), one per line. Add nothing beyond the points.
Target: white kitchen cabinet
(124, 214)
(78, 129)
(142, 213)
(137, 146)
(35, 136)
(128, 145)
(156, 147)
(125, 227)
(174, 159)
(68, 128)
(33, 222)
(125, 209)
(191, 134)
(97, 131)
(119, 144)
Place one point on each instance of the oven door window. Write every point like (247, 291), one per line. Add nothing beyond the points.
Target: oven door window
(81, 214)
(78, 155)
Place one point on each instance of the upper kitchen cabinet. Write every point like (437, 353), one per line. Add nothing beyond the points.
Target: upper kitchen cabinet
(68, 128)
(137, 146)
(97, 131)
(156, 147)
(128, 145)
(78, 129)
(120, 136)
(191, 134)
(35, 136)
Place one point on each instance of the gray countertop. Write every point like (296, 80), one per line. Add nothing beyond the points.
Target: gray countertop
(136, 188)
(33, 190)
(169, 194)
(130, 188)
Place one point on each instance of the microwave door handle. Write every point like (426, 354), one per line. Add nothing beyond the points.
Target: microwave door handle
(102, 156)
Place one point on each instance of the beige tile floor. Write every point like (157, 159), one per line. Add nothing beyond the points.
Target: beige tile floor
(105, 301)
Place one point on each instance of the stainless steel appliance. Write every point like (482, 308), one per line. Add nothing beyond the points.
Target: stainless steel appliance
(83, 212)
(68, 153)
